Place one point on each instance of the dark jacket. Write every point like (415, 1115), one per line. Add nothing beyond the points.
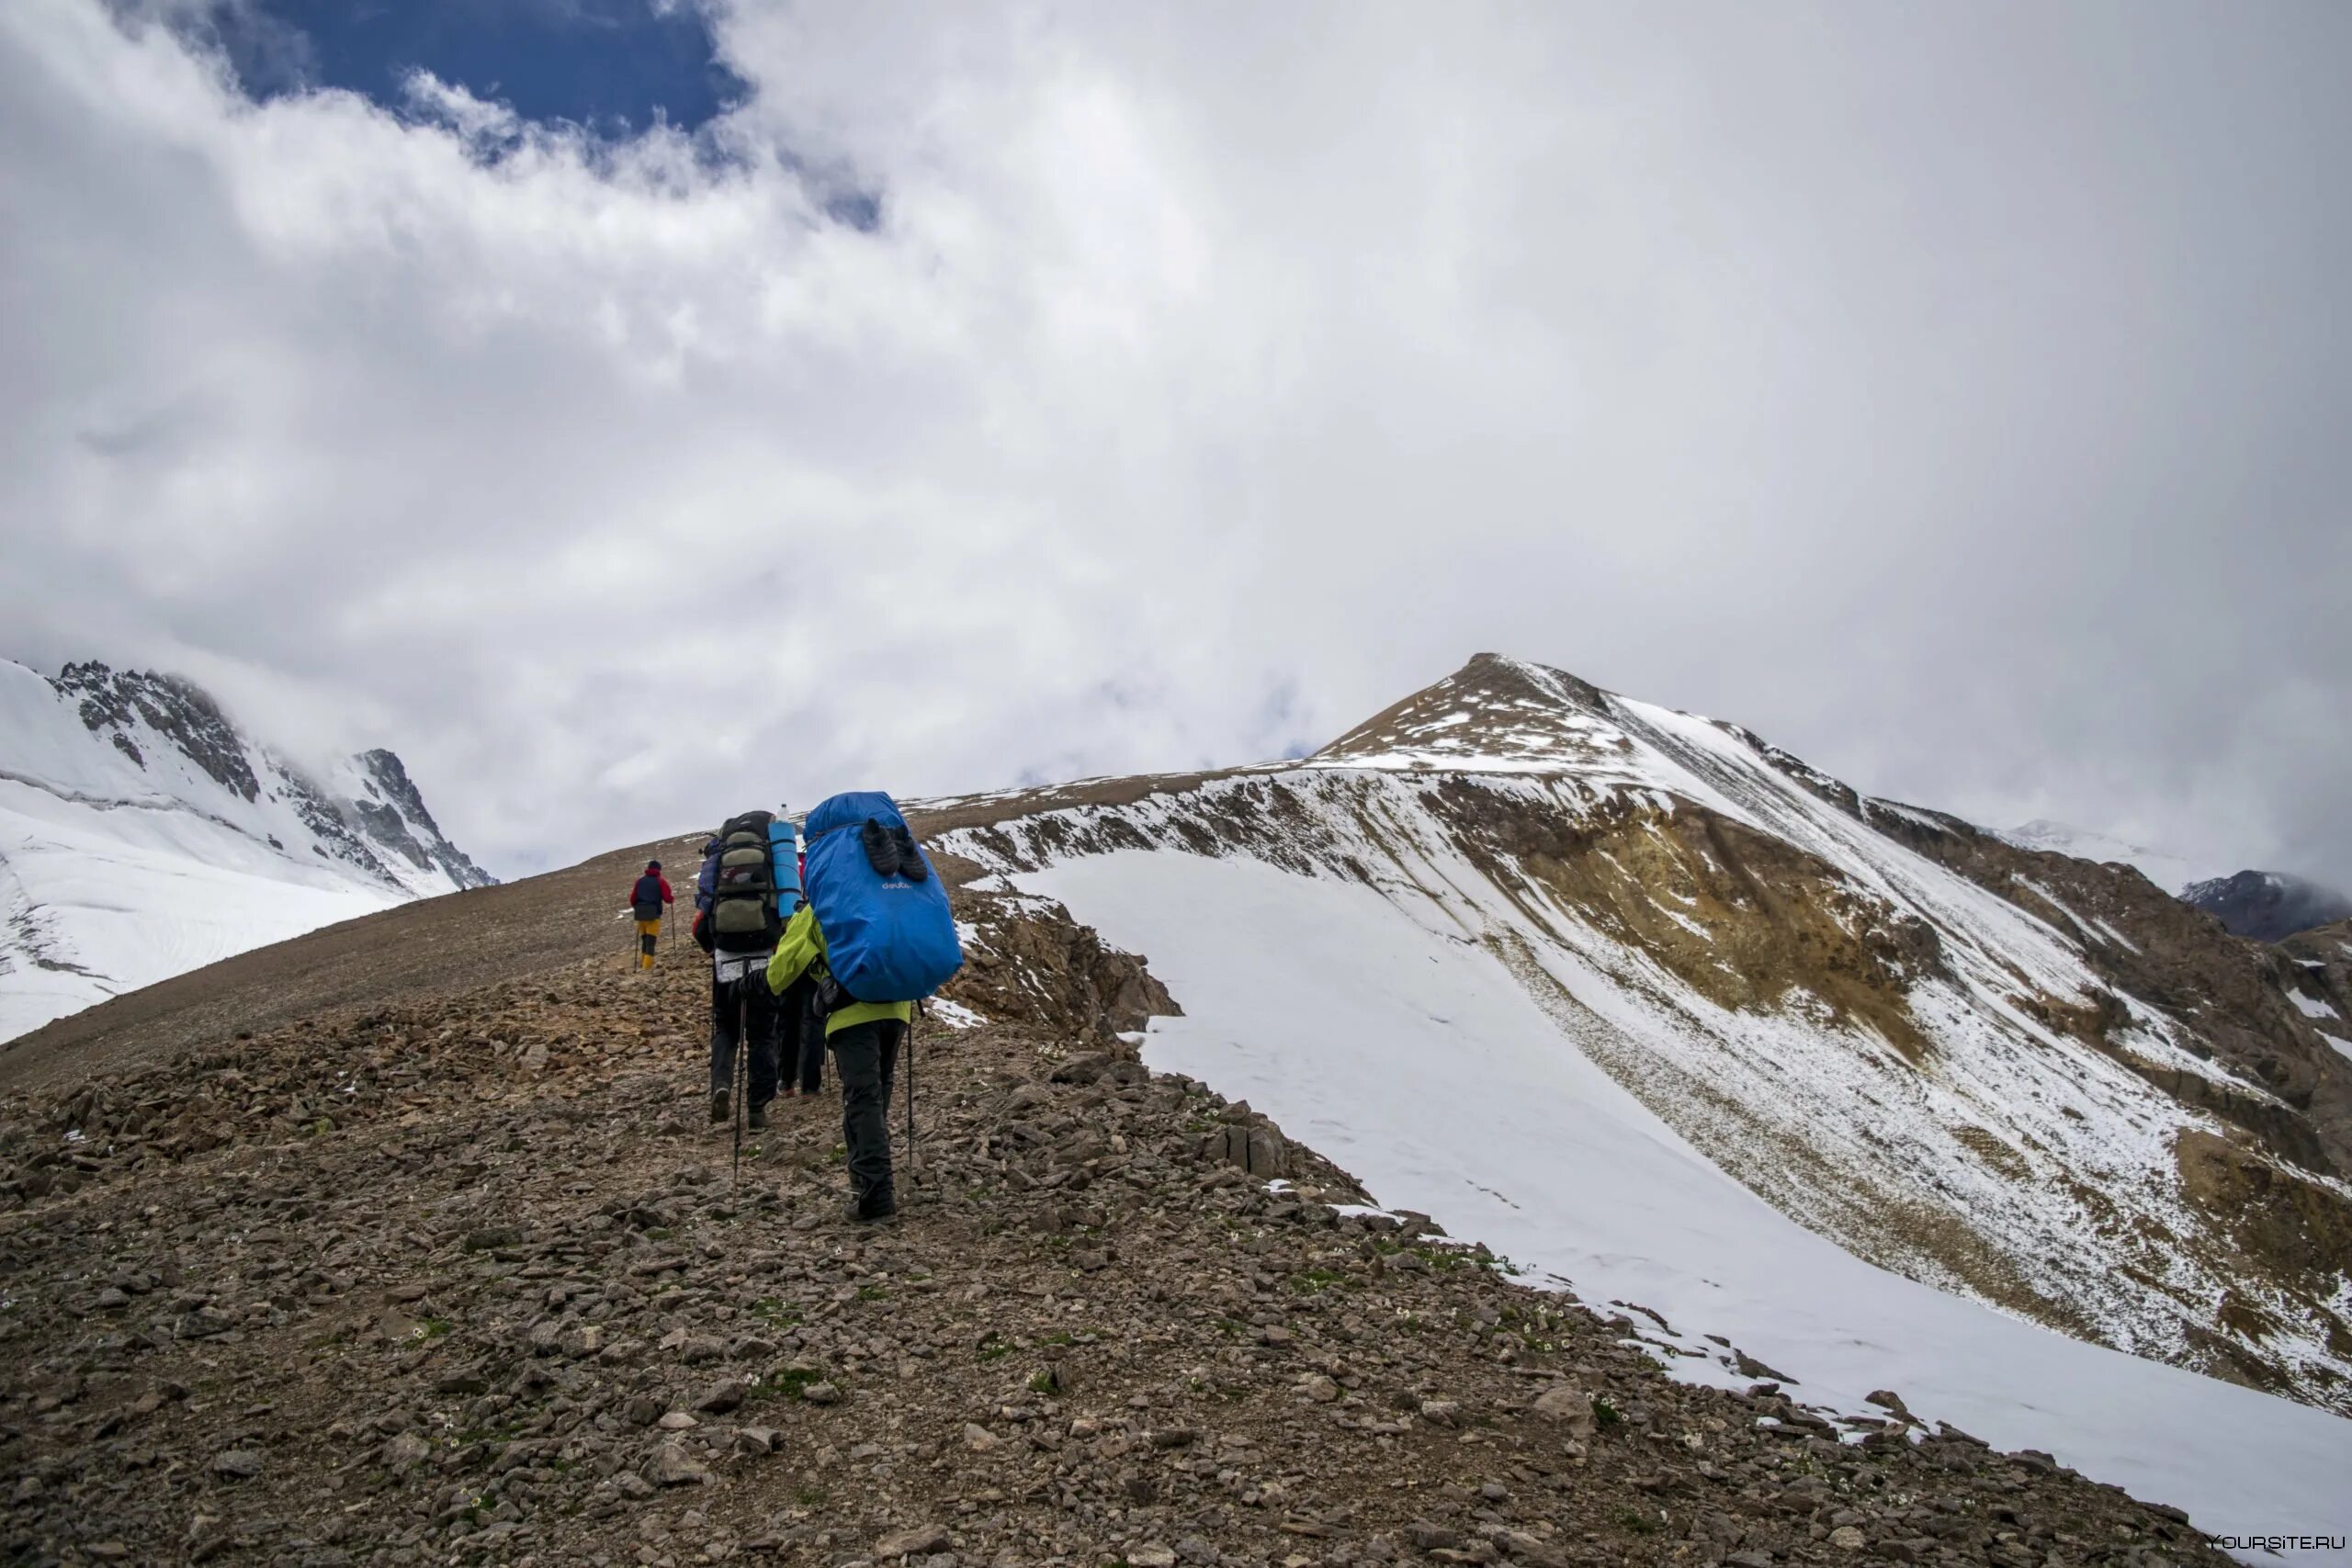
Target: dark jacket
(651, 892)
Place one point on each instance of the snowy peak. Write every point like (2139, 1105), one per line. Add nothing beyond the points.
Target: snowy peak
(124, 707)
(165, 743)
(1498, 715)
(142, 833)
(1494, 714)
(1955, 1056)
(394, 815)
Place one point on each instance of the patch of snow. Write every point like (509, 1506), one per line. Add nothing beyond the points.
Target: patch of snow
(125, 899)
(1909, 814)
(2313, 1007)
(956, 1015)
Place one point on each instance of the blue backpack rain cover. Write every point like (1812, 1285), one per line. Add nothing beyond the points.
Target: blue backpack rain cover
(888, 938)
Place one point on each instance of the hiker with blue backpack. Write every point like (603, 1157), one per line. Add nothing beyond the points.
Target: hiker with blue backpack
(876, 934)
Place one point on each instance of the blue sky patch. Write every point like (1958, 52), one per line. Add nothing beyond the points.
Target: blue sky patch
(615, 66)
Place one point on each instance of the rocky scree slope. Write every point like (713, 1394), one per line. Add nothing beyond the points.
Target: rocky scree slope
(467, 1278)
(143, 834)
(2023, 1077)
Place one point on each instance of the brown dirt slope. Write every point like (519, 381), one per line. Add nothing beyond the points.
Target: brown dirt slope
(465, 1277)
(432, 947)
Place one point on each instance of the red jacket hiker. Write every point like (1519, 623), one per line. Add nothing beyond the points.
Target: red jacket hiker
(647, 900)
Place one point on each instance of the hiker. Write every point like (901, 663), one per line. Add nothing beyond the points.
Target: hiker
(872, 882)
(707, 880)
(800, 1035)
(647, 900)
(744, 900)
(800, 1030)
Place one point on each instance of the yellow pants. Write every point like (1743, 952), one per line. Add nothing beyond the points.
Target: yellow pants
(646, 932)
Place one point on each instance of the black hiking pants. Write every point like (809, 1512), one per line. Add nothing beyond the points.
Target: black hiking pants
(866, 1057)
(800, 1031)
(743, 1011)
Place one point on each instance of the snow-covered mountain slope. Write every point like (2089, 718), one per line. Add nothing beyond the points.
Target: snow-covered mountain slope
(142, 835)
(1369, 1028)
(2024, 1079)
(2169, 871)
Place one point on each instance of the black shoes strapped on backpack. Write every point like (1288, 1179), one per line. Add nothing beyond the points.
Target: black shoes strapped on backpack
(891, 852)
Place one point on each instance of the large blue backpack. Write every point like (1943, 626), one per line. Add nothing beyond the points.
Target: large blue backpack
(888, 935)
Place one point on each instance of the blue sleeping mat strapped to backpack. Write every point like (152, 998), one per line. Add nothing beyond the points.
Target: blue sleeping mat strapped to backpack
(888, 938)
(786, 855)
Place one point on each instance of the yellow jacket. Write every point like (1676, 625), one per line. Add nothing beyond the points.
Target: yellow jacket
(802, 950)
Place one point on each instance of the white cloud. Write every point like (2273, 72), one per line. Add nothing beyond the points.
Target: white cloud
(1213, 378)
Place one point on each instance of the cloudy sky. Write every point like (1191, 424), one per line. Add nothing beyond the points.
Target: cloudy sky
(631, 414)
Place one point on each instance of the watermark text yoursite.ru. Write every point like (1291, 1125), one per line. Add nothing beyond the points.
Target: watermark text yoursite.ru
(2280, 1542)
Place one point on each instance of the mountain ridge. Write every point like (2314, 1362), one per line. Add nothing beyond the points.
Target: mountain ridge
(1700, 885)
(1654, 1009)
(141, 832)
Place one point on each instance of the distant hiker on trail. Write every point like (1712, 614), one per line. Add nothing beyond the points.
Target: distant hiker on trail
(877, 936)
(648, 900)
(746, 895)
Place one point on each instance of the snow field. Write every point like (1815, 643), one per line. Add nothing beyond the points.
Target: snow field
(1415, 1059)
(118, 871)
(133, 897)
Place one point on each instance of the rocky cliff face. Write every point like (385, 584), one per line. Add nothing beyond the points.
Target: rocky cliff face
(391, 812)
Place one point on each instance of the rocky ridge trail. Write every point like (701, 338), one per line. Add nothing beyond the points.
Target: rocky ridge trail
(466, 1278)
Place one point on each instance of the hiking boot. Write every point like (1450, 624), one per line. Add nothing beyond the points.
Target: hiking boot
(717, 1106)
(881, 1205)
(760, 1117)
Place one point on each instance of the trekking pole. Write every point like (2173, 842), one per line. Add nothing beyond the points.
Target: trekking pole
(914, 1160)
(738, 1071)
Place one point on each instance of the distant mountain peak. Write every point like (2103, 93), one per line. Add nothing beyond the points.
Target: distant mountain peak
(213, 841)
(394, 814)
(2268, 906)
(1492, 714)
